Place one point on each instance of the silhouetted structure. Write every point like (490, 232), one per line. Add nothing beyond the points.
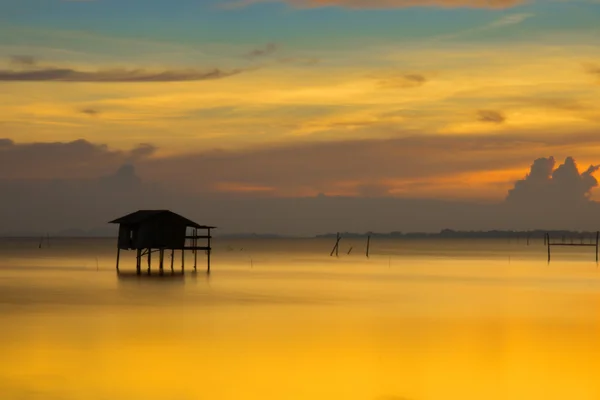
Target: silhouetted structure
(149, 231)
(549, 244)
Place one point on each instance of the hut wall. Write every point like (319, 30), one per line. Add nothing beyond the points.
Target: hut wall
(127, 237)
(161, 233)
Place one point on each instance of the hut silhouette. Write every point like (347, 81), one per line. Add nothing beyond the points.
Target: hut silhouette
(150, 231)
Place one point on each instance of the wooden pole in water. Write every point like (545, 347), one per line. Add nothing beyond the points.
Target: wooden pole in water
(161, 258)
(172, 259)
(182, 260)
(149, 260)
(597, 237)
(336, 247)
(548, 244)
(208, 253)
(138, 263)
(195, 241)
(368, 244)
(118, 256)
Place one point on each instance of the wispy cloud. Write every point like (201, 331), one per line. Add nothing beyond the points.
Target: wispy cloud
(116, 75)
(593, 69)
(512, 19)
(491, 116)
(26, 69)
(410, 80)
(382, 4)
(90, 111)
(263, 51)
(506, 21)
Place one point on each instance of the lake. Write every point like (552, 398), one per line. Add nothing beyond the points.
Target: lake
(281, 319)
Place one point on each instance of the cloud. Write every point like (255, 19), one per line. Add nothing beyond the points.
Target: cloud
(266, 50)
(411, 80)
(23, 60)
(502, 22)
(300, 60)
(115, 75)
(90, 111)
(386, 4)
(491, 116)
(26, 69)
(243, 188)
(593, 70)
(75, 159)
(143, 150)
(512, 19)
(545, 185)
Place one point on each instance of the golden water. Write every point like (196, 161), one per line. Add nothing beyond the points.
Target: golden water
(280, 319)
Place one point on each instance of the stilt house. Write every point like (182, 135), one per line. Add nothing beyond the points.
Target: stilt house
(148, 231)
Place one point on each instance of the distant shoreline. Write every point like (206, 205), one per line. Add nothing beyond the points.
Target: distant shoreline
(443, 234)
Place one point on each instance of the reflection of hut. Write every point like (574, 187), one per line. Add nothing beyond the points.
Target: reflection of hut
(149, 231)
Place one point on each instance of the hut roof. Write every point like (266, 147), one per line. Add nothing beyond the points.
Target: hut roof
(141, 216)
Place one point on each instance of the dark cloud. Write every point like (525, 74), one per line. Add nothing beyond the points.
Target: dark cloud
(75, 159)
(99, 183)
(491, 116)
(90, 111)
(6, 143)
(26, 69)
(116, 75)
(266, 50)
(545, 185)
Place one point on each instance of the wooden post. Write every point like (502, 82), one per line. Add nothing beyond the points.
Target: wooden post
(149, 260)
(527, 240)
(182, 260)
(172, 259)
(138, 266)
(162, 258)
(118, 256)
(548, 243)
(195, 242)
(208, 253)
(597, 237)
(336, 247)
(368, 244)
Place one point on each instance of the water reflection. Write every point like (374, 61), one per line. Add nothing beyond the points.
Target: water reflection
(302, 327)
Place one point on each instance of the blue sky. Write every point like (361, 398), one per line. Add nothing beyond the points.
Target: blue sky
(190, 22)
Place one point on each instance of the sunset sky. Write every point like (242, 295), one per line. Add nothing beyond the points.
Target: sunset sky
(445, 99)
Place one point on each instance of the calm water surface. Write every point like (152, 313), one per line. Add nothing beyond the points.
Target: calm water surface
(280, 319)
